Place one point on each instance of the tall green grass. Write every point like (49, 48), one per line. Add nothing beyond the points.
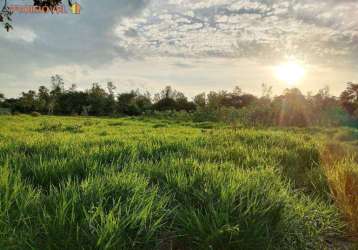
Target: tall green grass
(128, 184)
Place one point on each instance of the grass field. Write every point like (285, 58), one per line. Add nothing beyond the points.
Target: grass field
(101, 183)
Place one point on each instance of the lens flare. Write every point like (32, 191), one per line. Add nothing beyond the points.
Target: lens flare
(290, 72)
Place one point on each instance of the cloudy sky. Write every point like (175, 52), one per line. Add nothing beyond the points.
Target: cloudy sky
(193, 45)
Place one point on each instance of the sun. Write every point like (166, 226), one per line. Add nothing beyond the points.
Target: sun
(290, 73)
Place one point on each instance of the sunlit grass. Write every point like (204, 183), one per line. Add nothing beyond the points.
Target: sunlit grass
(341, 168)
(91, 183)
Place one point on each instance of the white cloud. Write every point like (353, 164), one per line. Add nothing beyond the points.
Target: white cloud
(194, 45)
(317, 30)
(20, 34)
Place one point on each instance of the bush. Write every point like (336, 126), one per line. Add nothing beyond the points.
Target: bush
(347, 135)
(59, 127)
(73, 129)
(204, 125)
(160, 125)
(115, 124)
(35, 114)
(205, 116)
(50, 127)
(5, 111)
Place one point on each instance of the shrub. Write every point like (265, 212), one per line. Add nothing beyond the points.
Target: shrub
(204, 125)
(160, 125)
(59, 127)
(50, 127)
(73, 128)
(103, 133)
(35, 114)
(347, 135)
(204, 116)
(5, 111)
(115, 124)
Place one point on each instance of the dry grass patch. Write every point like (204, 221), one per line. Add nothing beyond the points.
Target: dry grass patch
(341, 169)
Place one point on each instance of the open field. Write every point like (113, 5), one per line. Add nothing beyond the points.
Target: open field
(101, 183)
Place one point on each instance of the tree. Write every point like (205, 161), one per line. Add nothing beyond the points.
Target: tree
(43, 100)
(125, 103)
(2, 97)
(246, 100)
(143, 102)
(215, 99)
(48, 3)
(266, 91)
(58, 84)
(28, 101)
(111, 88)
(97, 99)
(72, 103)
(169, 99)
(133, 103)
(111, 100)
(73, 88)
(57, 89)
(200, 100)
(349, 98)
(231, 99)
(182, 104)
(166, 104)
(5, 17)
(292, 109)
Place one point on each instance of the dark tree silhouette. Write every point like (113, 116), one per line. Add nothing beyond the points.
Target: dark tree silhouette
(2, 98)
(292, 108)
(349, 98)
(5, 17)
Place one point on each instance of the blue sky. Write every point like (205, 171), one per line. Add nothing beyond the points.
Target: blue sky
(193, 45)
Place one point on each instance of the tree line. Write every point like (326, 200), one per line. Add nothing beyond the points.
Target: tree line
(291, 108)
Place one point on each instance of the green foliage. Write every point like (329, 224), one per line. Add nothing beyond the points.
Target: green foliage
(4, 111)
(59, 127)
(160, 125)
(349, 98)
(35, 114)
(347, 135)
(204, 115)
(205, 125)
(234, 108)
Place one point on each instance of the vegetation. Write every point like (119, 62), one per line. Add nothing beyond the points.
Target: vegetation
(150, 183)
(341, 168)
(291, 108)
(228, 170)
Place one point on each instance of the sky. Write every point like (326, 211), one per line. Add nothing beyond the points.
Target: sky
(193, 45)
